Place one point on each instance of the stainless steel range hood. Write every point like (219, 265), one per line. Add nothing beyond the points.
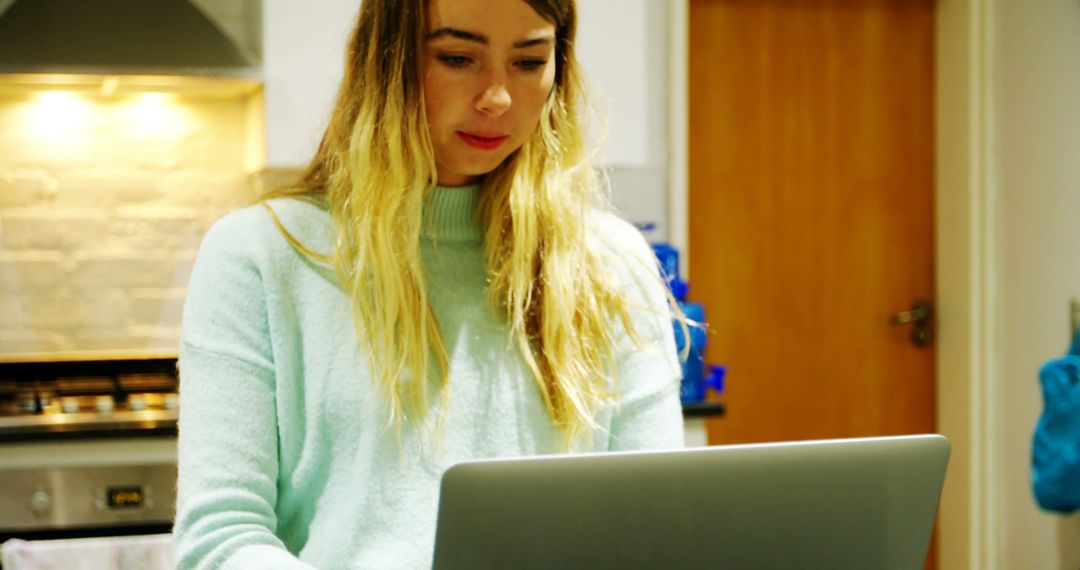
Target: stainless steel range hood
(175, 37)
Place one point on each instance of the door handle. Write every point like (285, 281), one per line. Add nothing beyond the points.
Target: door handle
(919, 315)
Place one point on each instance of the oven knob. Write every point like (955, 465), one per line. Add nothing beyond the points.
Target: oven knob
(69, 405)
(136, 402)
(40, 502)
(172, 401)
(104, 404)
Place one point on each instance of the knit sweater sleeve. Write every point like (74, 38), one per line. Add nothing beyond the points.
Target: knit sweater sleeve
(228, 448)
(649, 415)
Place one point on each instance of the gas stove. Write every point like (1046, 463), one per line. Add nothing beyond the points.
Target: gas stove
(75, 399)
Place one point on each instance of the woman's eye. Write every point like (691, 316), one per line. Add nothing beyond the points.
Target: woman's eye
(455, 60)
(532, 64)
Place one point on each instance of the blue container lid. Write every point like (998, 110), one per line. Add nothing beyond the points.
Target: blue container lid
(669, 266)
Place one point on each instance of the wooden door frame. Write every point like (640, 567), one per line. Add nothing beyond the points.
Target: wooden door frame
(966, 248)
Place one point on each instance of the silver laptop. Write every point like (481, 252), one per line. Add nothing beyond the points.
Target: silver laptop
(849, 503)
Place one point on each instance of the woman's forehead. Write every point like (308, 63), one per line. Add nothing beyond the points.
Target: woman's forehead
(495, 20)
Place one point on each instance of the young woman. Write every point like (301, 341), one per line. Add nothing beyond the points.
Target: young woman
(441, 285)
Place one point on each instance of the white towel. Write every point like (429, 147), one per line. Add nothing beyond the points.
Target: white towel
(152, 552)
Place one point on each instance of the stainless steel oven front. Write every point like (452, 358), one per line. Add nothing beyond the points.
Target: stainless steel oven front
(87, 448)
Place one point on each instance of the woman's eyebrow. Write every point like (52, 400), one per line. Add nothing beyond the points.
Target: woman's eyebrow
(456, 33)
(537, 41)
(482, 39)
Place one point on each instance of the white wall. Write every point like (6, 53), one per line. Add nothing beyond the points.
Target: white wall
(623, 47)
(614, 48)
(303, 58)
(1039, 188)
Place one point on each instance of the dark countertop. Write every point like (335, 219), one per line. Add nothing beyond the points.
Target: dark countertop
(706, 409)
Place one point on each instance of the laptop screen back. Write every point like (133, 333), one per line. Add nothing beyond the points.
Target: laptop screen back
(855, 503)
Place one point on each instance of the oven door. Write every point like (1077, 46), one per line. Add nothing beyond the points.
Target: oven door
(87, 488)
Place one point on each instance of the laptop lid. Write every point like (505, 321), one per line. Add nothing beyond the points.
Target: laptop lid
(850, 503)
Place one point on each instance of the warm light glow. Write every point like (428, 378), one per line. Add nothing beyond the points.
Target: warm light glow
(56, 98)
(153, 98)
(58, 113)
(82, 123)
(156, 115)
(109, 85)
(80, 126)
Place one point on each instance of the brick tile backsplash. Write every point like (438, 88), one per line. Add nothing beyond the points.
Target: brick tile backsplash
(36, 341)
(150, 307)
(131, 269)
(102, 188)
(24, 272)
(100, 225)
(26, 188)
(48, 230)
(10, 313)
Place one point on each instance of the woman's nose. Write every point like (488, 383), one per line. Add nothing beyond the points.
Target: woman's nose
(495, 100)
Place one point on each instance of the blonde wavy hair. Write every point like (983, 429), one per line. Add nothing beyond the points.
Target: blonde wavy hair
(376, 164)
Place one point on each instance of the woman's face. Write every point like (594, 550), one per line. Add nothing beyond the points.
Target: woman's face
(488, 68)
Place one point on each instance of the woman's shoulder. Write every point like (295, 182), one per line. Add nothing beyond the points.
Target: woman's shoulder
(607, 220)
(614, 236)
(259, 230)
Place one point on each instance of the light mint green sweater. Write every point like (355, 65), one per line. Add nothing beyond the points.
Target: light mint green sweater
(285, 458)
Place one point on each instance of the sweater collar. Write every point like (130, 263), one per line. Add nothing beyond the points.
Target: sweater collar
(450, 214)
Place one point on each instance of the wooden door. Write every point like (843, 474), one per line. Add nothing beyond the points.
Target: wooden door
(811, 212)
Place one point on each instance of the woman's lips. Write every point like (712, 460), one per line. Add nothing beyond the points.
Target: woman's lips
(481, 141)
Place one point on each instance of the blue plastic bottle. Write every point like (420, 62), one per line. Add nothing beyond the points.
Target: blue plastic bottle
(697, 378)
